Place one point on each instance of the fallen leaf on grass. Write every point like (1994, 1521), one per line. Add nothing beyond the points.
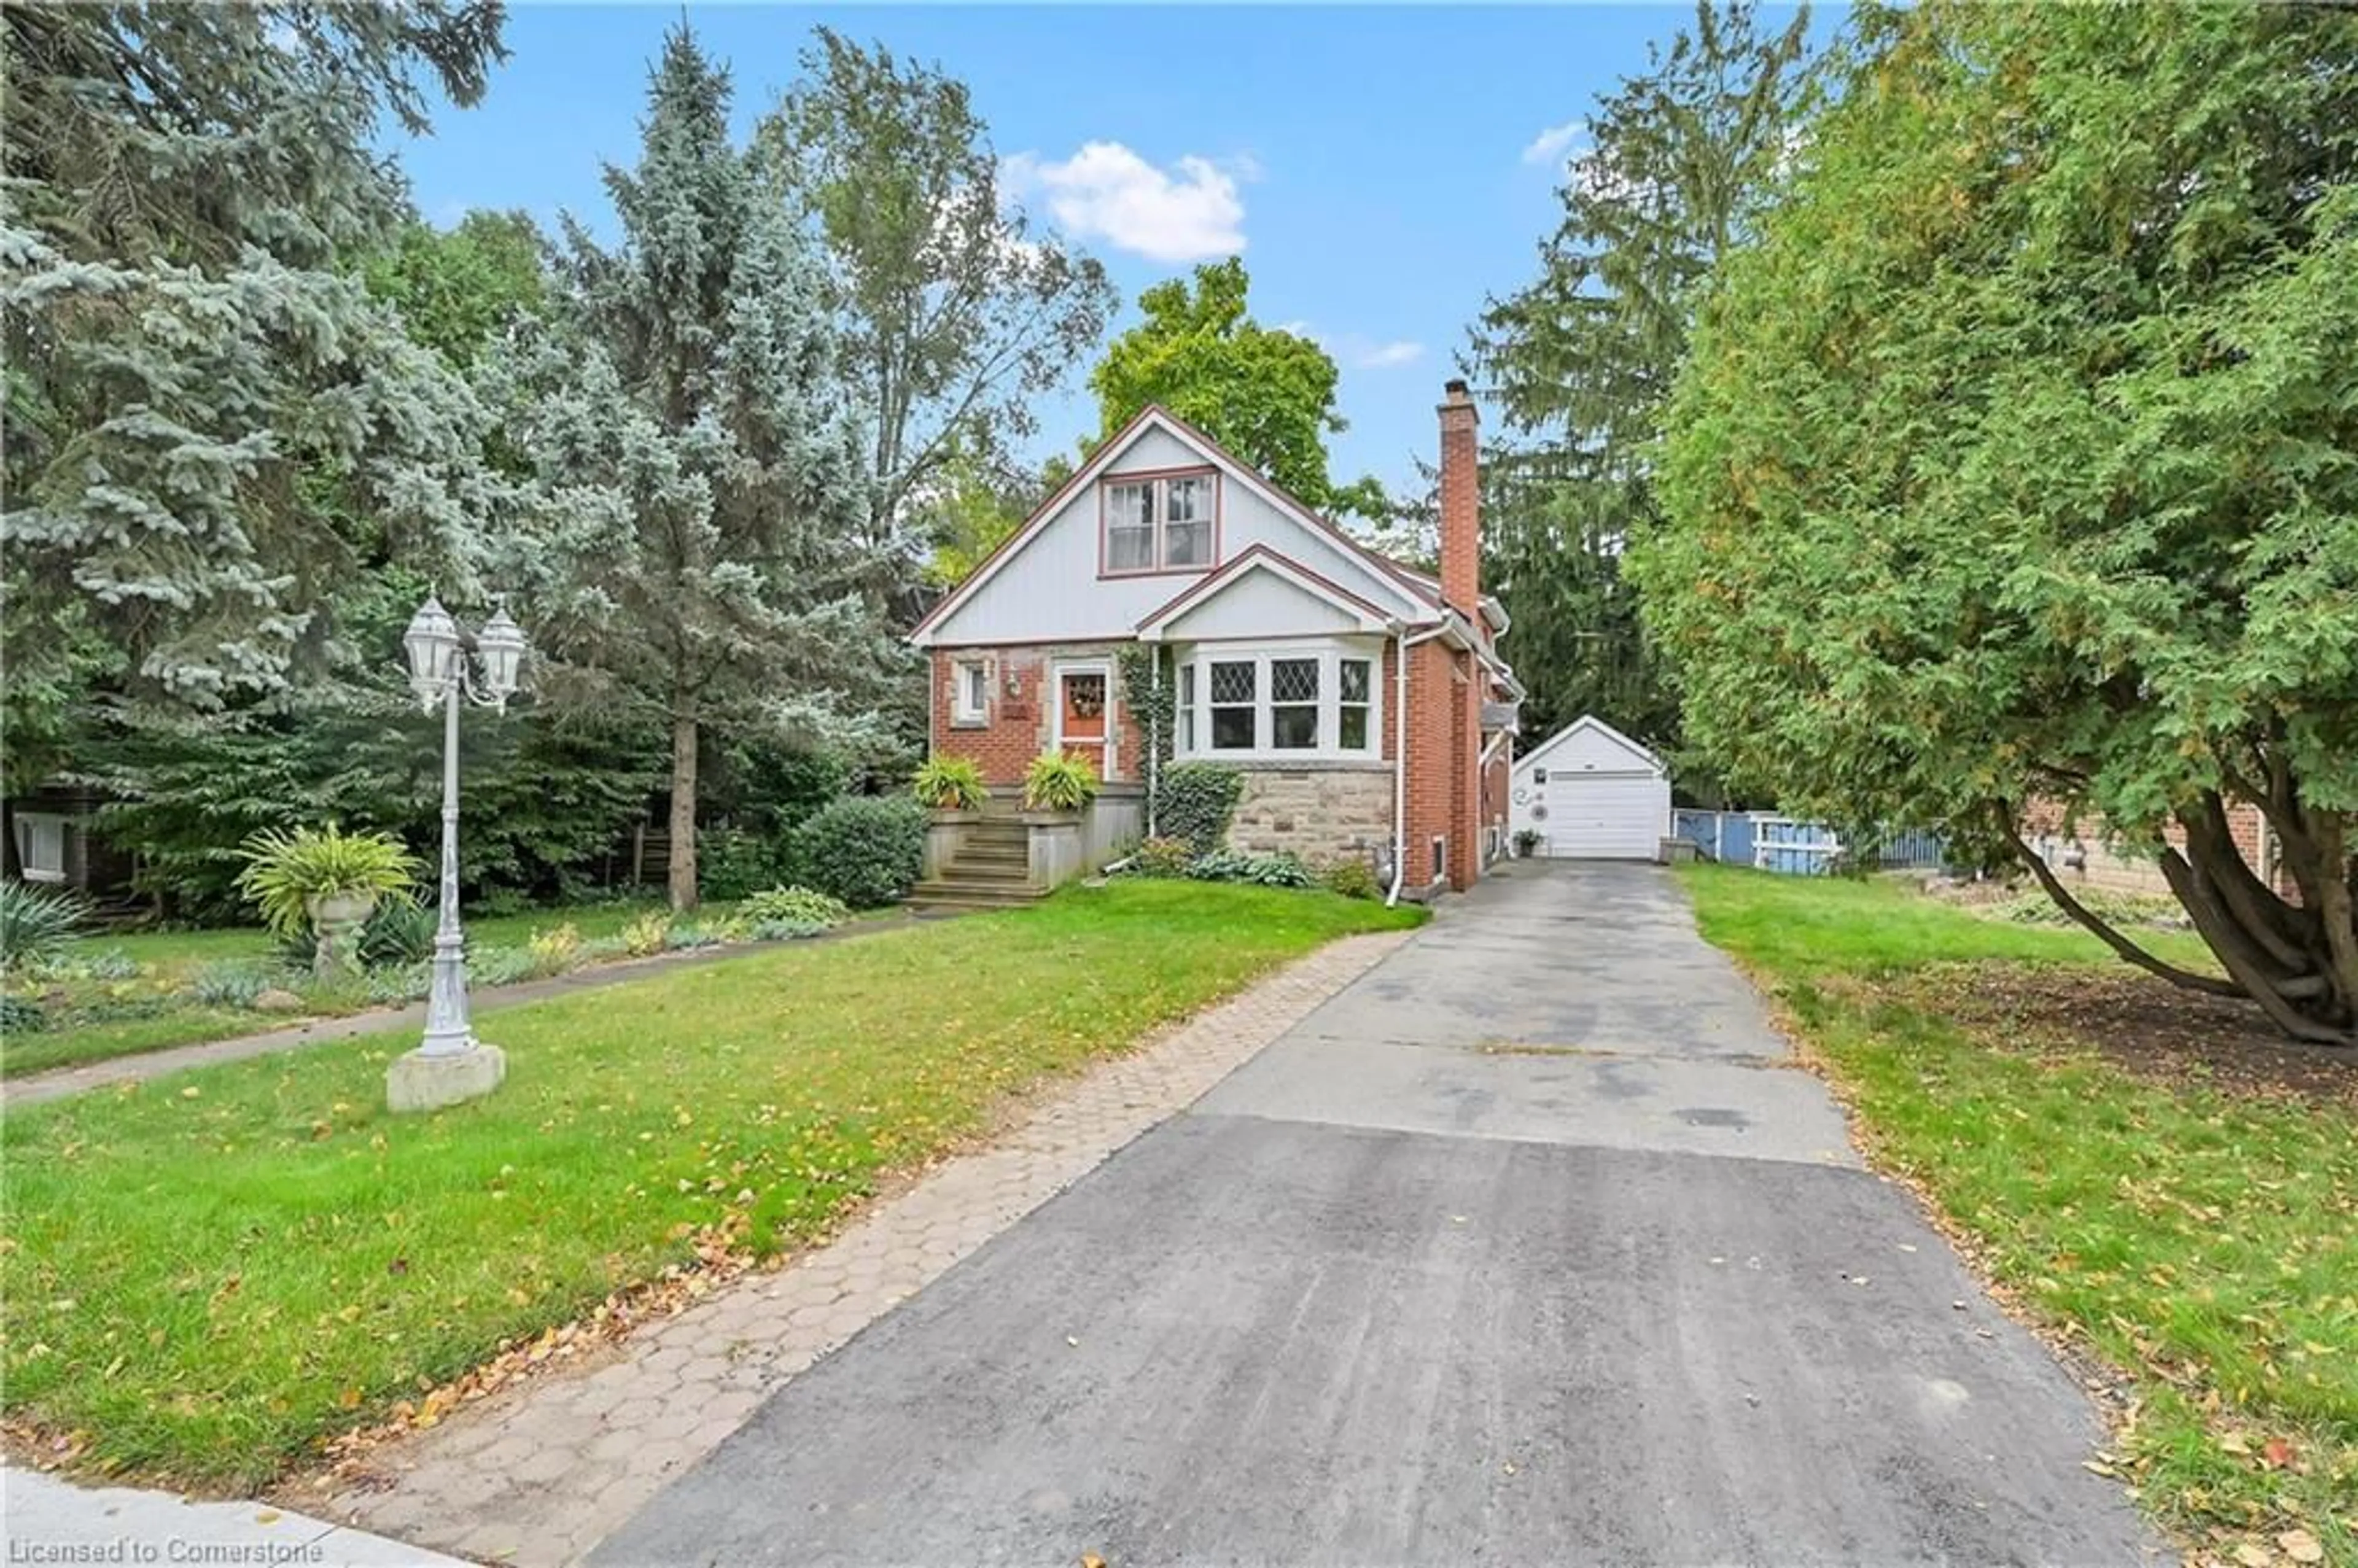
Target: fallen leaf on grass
(2302, 1546)
(2276, 1453)
(2252, 1554)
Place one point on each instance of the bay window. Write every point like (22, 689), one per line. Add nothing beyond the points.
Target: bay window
(1285, 703)
(1234, 711)
(1161, 522)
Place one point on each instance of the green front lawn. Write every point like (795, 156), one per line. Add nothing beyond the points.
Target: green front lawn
(2205, 1242)
(211, 1274)
(96, 1020)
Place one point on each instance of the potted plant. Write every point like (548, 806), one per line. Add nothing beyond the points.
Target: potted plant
(950, 784)
(1059, 783)
(1527, 842)
(326, 879)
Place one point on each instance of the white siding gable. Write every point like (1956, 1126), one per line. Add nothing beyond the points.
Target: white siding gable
(1588, 745)
(1259, 604)
(1045, 588)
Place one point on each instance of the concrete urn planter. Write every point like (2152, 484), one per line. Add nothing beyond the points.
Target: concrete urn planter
(336, 922)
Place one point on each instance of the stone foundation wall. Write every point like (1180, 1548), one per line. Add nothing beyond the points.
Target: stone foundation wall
(1322, 815)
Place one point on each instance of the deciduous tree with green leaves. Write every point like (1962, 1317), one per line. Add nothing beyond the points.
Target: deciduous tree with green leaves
(459, 289)
(1266, 395)
(1667, 175)
(957, 315)
(699, 538)
(2017, 461)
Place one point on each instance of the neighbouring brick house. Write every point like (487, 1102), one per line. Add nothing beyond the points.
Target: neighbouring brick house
(1364, 702)
(2081, 857)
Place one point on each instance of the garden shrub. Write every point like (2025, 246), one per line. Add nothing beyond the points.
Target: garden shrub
(232, 982)
(501, 965)
(1267, 871)
(1195, 802)
(1353, 878)
(650, 933)
(864, 849)
(21, 1015)
(113, 964)
(555, 949)
(730, 863)
(800, 906)
(36, 925)
(1161, 857)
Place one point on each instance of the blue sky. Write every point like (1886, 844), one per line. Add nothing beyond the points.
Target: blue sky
(1383, 169)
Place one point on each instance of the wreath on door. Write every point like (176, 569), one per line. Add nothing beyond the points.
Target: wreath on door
(1086, 698)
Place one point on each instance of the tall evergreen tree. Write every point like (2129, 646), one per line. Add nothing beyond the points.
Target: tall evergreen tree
(701, 537)
(208, 423)
(1672, 168)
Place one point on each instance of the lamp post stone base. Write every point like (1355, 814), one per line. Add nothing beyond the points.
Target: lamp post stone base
(419, 1081)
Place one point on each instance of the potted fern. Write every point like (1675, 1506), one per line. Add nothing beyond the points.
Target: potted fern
(951, 784)
(952, 791)
(1062, 784)
(326, 879)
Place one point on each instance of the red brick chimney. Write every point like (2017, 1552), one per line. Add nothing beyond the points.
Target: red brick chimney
(1461, 503)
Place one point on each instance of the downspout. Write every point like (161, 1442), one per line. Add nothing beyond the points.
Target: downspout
(1482, 775)
(1154, 743)
(1400, 761)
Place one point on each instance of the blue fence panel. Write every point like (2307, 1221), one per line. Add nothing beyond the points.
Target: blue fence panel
(1724, 836)
(1794, 848)
(1912, 849)
(1772, 843)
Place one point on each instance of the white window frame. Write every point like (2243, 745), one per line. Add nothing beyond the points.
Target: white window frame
(1158, 486)
(961, 710)
(31, 826)
(1192, 736)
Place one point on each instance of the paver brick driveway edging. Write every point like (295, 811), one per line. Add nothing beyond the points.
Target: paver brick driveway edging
(539, 1474)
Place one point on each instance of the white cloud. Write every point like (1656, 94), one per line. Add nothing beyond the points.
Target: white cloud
(1391, 355)
(1359, 351)
(1186, 213)
(1551, 145)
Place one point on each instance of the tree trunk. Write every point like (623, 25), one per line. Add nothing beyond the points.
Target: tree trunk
(683, 814)
(2298, 961)
(12, 868)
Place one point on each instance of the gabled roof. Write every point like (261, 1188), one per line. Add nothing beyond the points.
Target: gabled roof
(1422, 594)
(1260, 559)
(1589, 724)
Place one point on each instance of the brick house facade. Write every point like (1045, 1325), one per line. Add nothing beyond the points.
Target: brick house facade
(1364, 702)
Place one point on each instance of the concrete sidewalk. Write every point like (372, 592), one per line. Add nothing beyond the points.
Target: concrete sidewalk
(44, 1519)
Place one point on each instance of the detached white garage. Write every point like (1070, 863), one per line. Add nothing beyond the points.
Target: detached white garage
(1592, 793)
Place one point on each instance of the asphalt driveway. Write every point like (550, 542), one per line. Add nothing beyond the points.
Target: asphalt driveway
(1531, 1247)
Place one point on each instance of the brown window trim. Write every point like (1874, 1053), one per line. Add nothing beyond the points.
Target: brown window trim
(1157, 477)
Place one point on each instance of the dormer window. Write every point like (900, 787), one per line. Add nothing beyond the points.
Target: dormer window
(1160, 523)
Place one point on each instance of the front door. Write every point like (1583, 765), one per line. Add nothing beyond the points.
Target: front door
(1081, 717)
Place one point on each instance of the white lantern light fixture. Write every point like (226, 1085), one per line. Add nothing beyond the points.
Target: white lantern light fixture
(433, 643)
(500, 646)
(451, 1065)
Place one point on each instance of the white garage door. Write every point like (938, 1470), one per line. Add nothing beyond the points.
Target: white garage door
(1605, 816)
